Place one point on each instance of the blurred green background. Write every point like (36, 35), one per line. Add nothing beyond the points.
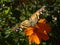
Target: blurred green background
(13, 12)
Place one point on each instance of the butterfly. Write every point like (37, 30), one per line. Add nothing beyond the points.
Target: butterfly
(33, 19)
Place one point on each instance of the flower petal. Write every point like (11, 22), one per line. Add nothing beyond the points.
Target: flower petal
(42, 21)
(47, 28)
(44, 27)
(34, 38)
(28, 31)
(45, 37)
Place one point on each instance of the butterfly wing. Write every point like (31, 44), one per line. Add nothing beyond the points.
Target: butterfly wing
(25, 24)
(35, 17)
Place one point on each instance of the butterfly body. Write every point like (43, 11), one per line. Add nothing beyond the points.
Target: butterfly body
(34, 18)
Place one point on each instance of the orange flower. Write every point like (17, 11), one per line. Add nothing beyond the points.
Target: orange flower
(39, 32)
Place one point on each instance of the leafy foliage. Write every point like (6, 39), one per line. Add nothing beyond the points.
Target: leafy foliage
(13, 12)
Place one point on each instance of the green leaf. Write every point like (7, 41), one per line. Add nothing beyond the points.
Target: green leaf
(7, 11)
